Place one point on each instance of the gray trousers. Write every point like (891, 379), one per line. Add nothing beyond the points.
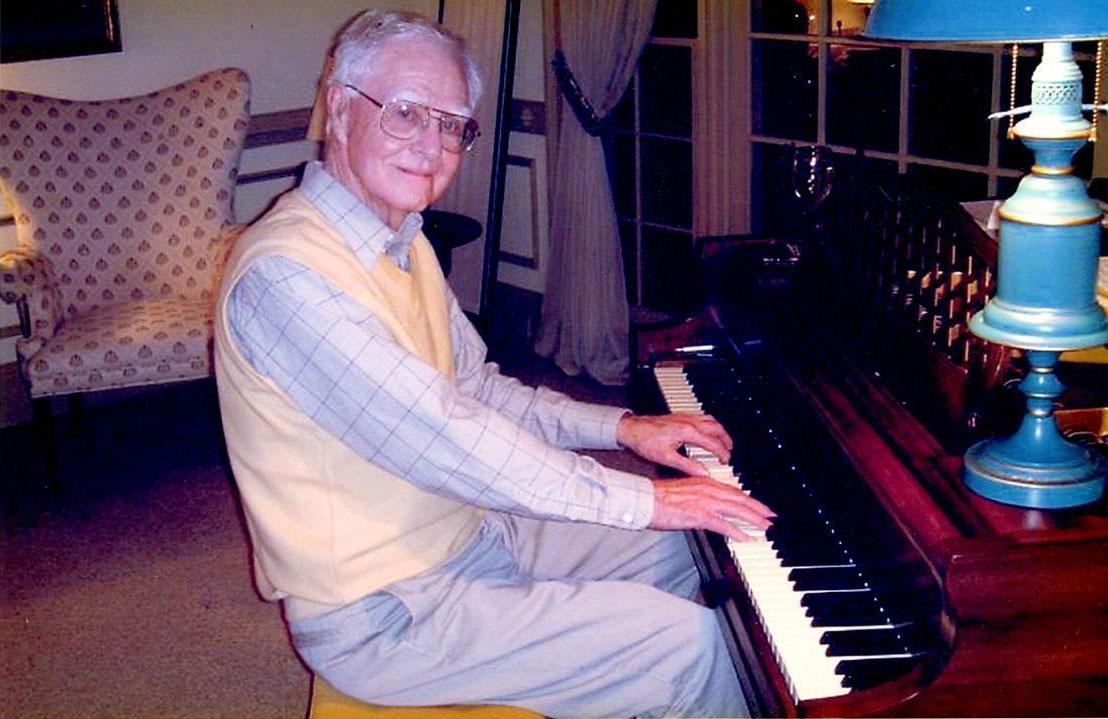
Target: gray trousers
(566, 619)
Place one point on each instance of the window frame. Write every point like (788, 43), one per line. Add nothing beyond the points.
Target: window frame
(825, 37)
(637, 134)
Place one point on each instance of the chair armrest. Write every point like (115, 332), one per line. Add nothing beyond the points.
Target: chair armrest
(221, 250)
(27, 279)
(226, 240)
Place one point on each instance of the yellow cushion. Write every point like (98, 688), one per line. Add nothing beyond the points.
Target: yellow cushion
(329, 703)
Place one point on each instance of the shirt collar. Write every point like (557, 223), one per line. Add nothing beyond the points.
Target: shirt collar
(366, 234)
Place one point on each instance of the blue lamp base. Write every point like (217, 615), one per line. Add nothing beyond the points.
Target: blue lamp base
(1036, 467)
(1000, 470)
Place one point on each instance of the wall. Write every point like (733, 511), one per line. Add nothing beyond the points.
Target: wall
(524, 235)
(278, 42)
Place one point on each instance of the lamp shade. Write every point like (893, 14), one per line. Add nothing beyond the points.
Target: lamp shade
(988, 20)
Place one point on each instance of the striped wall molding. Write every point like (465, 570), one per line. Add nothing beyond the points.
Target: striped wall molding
(275, 128)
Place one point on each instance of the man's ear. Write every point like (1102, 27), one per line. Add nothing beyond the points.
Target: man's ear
(338, 119)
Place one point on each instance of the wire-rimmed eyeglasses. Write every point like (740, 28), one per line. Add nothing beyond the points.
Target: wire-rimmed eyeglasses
(404, 119)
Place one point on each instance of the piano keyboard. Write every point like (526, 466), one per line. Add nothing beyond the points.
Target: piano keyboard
(812, 583)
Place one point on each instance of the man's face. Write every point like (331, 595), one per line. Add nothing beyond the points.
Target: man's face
(396, 177)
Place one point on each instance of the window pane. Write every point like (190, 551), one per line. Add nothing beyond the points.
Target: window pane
(784, 85)
(665, 81)
(848, 18)
(773, 207)
(1006, 186)
(666, 182)
(949, 102)
(630, 259)
(784, 16)
(675, 18)
(619, 152)
(623, 116)
(1013, 153)
(954, 184)
(1085, 54)
(863, 97)
(669, 271)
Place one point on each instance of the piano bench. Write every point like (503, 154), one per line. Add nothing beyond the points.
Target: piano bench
(328, 703)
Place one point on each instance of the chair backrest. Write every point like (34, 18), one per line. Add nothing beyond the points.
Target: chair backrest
(126, 197)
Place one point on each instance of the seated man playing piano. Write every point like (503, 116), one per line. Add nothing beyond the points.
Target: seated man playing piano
(432, 539)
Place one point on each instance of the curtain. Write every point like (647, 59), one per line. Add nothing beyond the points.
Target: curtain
(585, 314)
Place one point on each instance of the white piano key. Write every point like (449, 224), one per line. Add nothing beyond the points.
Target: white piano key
(803, 660)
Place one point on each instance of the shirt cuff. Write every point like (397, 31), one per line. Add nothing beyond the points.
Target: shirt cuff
(600, 433)
(630, 500)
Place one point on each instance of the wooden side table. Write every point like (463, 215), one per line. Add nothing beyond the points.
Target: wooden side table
(447, 230)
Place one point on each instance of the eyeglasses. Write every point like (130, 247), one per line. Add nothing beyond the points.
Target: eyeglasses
(404, 119)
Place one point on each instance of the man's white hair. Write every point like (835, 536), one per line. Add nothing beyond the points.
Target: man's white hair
(360, 41)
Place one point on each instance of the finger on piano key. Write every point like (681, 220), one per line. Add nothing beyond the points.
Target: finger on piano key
(748, 529)
(700, 454)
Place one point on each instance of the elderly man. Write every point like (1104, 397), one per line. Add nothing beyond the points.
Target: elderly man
(430, 536)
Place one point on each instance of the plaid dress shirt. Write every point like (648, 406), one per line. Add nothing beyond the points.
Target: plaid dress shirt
(484, 439)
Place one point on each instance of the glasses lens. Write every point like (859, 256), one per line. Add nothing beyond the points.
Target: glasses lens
(458, 132)
(403, 120)
(469, 134)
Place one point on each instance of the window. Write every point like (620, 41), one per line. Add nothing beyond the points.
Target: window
(918, 109)
(650, 157)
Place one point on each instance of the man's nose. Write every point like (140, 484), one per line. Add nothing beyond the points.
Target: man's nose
(429, 139)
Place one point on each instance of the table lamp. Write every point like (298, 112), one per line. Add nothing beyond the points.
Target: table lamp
(1045, 301)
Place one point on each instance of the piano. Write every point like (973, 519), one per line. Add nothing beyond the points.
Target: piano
(841, 366)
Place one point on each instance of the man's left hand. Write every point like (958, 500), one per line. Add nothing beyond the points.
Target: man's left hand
(658, 438)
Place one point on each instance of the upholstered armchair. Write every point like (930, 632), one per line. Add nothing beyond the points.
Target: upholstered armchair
(123, 214)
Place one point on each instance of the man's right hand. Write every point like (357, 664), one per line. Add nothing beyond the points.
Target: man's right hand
(703, 503)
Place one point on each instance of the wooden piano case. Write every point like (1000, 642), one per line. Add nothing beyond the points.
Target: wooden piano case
(868, 327)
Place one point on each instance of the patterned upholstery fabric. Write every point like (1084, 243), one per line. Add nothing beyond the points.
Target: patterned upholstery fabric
(123, 212)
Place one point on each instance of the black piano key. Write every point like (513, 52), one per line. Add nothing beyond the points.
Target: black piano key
(867, 673)
(808, 579)
(851, 643)
(809, 543)
(809, 529)
(800, 518)
(788, 508)
(785, 463)
(811, 556)
(844, 609)
(841, 601)
(865, 608)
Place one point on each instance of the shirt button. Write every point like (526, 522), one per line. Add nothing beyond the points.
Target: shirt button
(628, 517)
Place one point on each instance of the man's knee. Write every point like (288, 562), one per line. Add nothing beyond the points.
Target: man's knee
(708, 685)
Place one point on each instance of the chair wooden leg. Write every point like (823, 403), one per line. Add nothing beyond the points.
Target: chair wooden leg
(43, 419)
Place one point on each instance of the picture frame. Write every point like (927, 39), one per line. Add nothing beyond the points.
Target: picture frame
(46, 29)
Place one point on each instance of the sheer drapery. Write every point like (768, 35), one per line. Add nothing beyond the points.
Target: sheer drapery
(585, 315)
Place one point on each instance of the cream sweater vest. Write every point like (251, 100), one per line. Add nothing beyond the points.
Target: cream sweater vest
(327, 526)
